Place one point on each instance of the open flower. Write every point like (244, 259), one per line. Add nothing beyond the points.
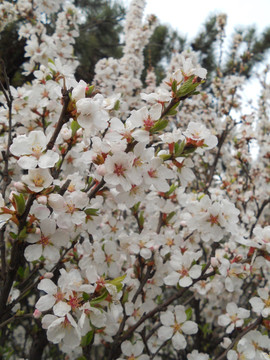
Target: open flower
(32, 151)
(47, 243)
(174, 325)
(234, 317)
(37, 179)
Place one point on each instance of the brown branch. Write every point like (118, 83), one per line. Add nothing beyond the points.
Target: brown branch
(96, 189)
(260, 210)
(214, 165)
(64, 117)
(15, 258)
(162, 307)
(15, 317)
(3, 252)
(9, 100)
(243, 333)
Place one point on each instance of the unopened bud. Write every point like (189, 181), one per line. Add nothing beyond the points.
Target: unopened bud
(214, 262)
(48, 275)
(42, 200)
(37, 314)
(19, 186)
(101, 170)
(226, 342)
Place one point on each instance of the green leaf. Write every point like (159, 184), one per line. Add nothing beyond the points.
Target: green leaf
(86, 296)
(171, 190)
(187, 88)
(116, 105)
(91, 212)
(86, 339)
(135, 208)
(13, 235)
(20, 272)
(165, 157)
(173, 109)
(118, 280)
(159, 125)
(125, 297)
(23, 233)
(189, 150)
(174, 86)
(170, 216)
(141, 219)
(20, 203)
(51, 61)
(172, 112)
(180, 148)
(89, 91)
(74, 127)
(100, 298)
(188, 313)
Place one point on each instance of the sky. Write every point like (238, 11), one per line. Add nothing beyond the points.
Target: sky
(189, 15)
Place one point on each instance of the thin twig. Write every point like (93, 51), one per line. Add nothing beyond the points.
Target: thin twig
(243, 333)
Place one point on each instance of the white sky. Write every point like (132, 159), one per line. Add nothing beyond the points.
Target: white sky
(188, 16)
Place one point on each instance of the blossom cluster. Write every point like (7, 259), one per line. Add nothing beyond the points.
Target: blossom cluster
(139, 229)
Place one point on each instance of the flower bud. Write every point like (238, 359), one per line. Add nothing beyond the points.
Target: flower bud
(101, 170)
(48, 275)
(214, 262)
(37, 314)
(42, 200)
(19, 186)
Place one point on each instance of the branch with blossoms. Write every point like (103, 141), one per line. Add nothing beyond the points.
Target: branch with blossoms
(130, 217)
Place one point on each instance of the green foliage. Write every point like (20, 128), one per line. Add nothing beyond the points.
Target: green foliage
(99, 35)
(12, 53)
(162, 44)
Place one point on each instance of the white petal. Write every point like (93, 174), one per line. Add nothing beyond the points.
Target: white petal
(27, 162)
(195, 271)
(167, 318)
(33, 252)
(165, 333)
(48, 286)
(172, 278)
(45, 302)
(185, 281)
(190, 327)
(179, 341)
(61, 308)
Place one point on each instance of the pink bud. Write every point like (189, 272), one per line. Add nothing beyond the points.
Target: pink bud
(37, 314)
(214, 262)
(42, 200)
(11, 195)
(48, 275)
(80, 132)
(66, 133)
(19, 186)
(101, 170)
(226, 342)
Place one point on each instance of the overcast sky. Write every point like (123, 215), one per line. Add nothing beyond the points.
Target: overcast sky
(187, 16)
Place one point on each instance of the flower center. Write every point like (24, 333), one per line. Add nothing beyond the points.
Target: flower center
(44, 240)
(119, 169)
(74, 302)
(36, 149)
(213, 220)
(38, 181)
(148, 123)
(152, 173)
